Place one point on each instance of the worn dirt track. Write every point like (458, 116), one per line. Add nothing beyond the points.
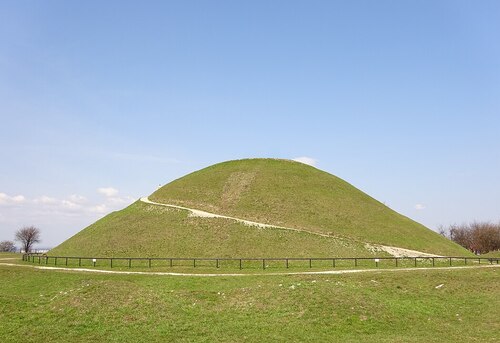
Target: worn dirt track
(326, 272)
(394, 251)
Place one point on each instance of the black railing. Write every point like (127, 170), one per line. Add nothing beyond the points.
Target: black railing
(286, 261)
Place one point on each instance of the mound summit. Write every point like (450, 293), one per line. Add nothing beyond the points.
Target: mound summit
(219, 211)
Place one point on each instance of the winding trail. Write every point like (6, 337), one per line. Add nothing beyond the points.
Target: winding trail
(326, 272)
(394, 251)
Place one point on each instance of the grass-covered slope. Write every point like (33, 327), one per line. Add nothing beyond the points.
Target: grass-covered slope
(293, 194)
(143, 230)
(277, 192)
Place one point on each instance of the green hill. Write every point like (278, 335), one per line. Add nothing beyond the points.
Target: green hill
(276, 192)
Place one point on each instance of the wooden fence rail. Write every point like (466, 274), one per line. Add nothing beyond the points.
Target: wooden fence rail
(217, 261)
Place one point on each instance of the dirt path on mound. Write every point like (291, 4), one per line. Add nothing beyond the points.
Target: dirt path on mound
(394, 251)
(326, 272)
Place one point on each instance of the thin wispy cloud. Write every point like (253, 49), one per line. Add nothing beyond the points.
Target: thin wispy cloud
(306, 160)
(99, 209)
(45, 200)
(419, 207)
(70, 205)
(73, 205)
(77, 199)
(6, 199)
(108, 191)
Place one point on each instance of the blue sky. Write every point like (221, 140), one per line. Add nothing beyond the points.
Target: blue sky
(100, 102)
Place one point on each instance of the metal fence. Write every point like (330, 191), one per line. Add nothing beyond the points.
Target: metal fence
(263, 263)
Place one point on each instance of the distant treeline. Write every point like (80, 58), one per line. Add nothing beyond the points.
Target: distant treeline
(478, 237)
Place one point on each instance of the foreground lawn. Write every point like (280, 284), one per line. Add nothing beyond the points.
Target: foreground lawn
(379, 306)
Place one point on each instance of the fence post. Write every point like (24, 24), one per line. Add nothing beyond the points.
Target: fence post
(55, 262)
(433, 261)
(79, 262)
(333, 262)
(240, 263)
(170, 262)
(415, 261)
(310, 263)
(286, 263)
(263, 264)
(396, 261)
(355, 262)
(46, 260)
(111, 262)
(149, 262)
(66, 261)
(129, 262)
(450, 261)
(194, 262)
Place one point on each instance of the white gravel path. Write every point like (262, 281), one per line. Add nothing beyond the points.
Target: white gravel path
(394, 251)
(326, 272)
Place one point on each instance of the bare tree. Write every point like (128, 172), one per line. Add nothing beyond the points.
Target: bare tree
(7, 246)
(28, 236)
(443, 231)
(478, 237)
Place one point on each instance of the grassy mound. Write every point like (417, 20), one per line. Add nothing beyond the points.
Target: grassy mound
(293, 194)
(277, 192)
(147, 230)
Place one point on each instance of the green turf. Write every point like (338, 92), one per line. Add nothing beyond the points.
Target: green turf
(278, 192)
(495, 253)
(9, 255)
(405, 306)
(143, 230)
(293, 194)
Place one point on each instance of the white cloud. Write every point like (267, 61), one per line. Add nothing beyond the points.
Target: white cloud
(75, 210)
(45, 200)
(108, 191)
(18, 198)
(306, 160)
(70, 205)
(101, 209)
(5, 199)
(120, 200)
(77, 199)
(419, 207)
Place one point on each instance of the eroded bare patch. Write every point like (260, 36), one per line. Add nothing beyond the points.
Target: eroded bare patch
(235, 186)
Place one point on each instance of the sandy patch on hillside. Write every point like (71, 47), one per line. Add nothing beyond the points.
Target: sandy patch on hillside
(398, 252)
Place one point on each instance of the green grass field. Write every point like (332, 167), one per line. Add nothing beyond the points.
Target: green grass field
(378, 306)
